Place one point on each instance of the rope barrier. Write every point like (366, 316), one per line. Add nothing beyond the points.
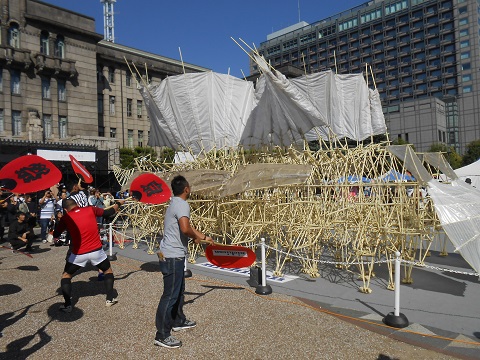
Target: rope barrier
(345, 263)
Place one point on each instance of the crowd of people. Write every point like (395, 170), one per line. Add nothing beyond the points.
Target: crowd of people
(43, 210)
(78, 212)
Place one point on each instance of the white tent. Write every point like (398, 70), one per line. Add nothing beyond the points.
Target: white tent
(201, 111)
(471, 171)
(457, 208)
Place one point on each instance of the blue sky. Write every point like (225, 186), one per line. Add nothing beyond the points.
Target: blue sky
(202, 29)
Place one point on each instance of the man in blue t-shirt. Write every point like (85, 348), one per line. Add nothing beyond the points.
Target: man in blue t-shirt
(173, 250)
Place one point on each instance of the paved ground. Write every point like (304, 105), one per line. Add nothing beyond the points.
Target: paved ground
(294, 321)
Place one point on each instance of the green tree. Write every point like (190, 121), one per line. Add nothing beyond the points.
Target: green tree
(400, 141)
(472, 154)
(127, 155)
(453, 158)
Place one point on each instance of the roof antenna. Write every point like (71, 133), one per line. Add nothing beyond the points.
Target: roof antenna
(298, 10)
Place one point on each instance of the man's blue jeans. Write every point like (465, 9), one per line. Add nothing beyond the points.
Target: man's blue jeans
(43, 228)
(170, 308)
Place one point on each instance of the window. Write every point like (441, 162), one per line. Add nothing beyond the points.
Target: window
(111, 74)
(392, 8)
(467, 89)
(14, 35)
(375, 14)
(47, 126)
(139, 108)
(62, 127)
(15, 82)
(128, 79)
(140, 137)
(440, 135)
(45, 88)
(465, 55)
(60, 46)
(44, 48)
(130, 138)
(462, 10)
(113, 133)
(62, 90)
(129, 107)
(464, 43)
(466, 66)
(100, 72)
(467, 77)
(100, 103)
(101, 131)
(112, 105)
(463, 21)
(2, 122)
(463, 32)
(16, 123)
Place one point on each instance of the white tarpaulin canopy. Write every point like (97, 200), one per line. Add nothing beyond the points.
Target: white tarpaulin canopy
(457, 208)
(200, 111)
(471, 171)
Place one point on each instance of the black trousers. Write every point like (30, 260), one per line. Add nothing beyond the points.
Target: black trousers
(17, 244)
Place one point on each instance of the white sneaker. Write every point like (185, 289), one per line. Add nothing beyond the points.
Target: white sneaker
(44, 241)
(111, 302)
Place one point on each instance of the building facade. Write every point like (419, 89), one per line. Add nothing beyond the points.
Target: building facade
(60, 83)
(422, 55)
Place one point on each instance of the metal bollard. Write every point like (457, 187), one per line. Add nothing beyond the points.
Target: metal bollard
(396, 319)
(263, 289)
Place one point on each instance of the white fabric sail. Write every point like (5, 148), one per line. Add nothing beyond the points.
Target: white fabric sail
(457, 208)
(200, 111)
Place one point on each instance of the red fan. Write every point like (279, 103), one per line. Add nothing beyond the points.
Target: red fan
(29, 173)
(230, 256)
(149, 188)
(81, 171)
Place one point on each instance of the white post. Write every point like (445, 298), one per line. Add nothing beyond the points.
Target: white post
(264, 265)
(110, 238)
(397, 284)
(263, 289)
(396, 319)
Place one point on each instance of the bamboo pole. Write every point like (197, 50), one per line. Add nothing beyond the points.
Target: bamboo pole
(373, 77)
(335, 59)
(131, 72)
(244, 77)
(304, 65)
(181, 59)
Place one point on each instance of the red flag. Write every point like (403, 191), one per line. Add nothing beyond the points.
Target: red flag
(149, 188)
(80, 170)
(29, 173)
(230, 256)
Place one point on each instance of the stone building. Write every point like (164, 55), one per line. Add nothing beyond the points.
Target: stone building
(60, 83)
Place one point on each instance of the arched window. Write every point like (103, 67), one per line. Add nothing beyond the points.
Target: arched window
(44, 48)
(60, 46)
(14, 35)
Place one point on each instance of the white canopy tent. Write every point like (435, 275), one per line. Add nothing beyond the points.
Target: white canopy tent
(457, 208)
(471, 171)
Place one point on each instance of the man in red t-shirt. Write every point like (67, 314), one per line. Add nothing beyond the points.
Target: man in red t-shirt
(86, 246)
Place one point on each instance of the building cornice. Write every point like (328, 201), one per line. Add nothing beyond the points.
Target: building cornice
(148, 55)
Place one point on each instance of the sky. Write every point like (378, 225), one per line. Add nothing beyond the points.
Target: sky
(202, 29)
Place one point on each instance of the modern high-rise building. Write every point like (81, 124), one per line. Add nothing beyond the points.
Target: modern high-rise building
(424, 60)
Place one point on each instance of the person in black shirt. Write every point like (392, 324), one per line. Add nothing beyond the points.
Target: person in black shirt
(19, 234)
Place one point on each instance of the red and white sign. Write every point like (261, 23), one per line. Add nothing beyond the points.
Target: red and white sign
(230, 256)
